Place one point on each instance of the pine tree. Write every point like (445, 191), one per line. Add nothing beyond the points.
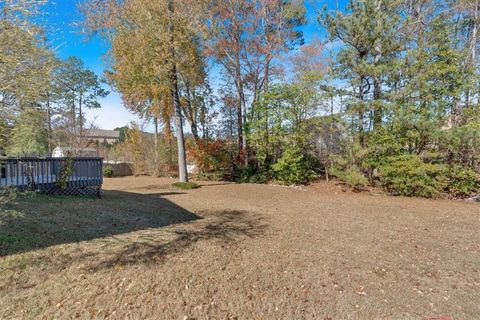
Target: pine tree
(77, 88)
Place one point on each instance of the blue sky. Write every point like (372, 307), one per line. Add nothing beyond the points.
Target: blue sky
(63, 34)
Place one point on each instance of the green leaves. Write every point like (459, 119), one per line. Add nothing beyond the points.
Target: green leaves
(74, 83)
(462, 182)
(408, 175)
(295, 167)
(25, 60)
(29, 135)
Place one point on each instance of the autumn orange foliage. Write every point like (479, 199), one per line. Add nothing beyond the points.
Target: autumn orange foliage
(210, 157)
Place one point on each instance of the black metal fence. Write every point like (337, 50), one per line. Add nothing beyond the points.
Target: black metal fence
(56, 176)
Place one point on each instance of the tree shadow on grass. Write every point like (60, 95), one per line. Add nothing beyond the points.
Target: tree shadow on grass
(41, 221)
(223, 227)
(122, 228)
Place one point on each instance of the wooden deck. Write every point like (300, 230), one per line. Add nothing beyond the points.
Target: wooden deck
(43, 175)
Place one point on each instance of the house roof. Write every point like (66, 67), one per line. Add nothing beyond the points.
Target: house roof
(100, 133)
(68, 151)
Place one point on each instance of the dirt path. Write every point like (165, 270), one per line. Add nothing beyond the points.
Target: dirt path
(228, 251)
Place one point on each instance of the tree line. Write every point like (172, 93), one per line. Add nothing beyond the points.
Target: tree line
(42, 98)
(385, 94)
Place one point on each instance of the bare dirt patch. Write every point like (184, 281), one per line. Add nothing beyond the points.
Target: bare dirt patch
(228, 251)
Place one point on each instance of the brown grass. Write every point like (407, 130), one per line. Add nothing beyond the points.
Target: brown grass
(227, 251)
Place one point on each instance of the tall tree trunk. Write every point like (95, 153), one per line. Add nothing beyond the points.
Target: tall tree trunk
(80, 118)
(473, 48)
(244, 136)
(203, 120)
(377, 86)
(155, 124)
(182, 160)
(266, 84)
(49, 124)
(378, 110)
(168, 134)
(192, 113)
(73, 114)
(361, 96)
(267, 115)
(242, 139)
(473, 44)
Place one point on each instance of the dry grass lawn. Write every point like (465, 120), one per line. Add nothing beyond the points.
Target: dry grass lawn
(228, 251)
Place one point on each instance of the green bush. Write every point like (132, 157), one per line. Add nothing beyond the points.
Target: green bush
(108, 171)
(408, 175)
(382, 143)
(352, 177)
(259, 178)
(462, 182)
(185, 185)
(65, 173)
(249, 174)
(295, 167)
